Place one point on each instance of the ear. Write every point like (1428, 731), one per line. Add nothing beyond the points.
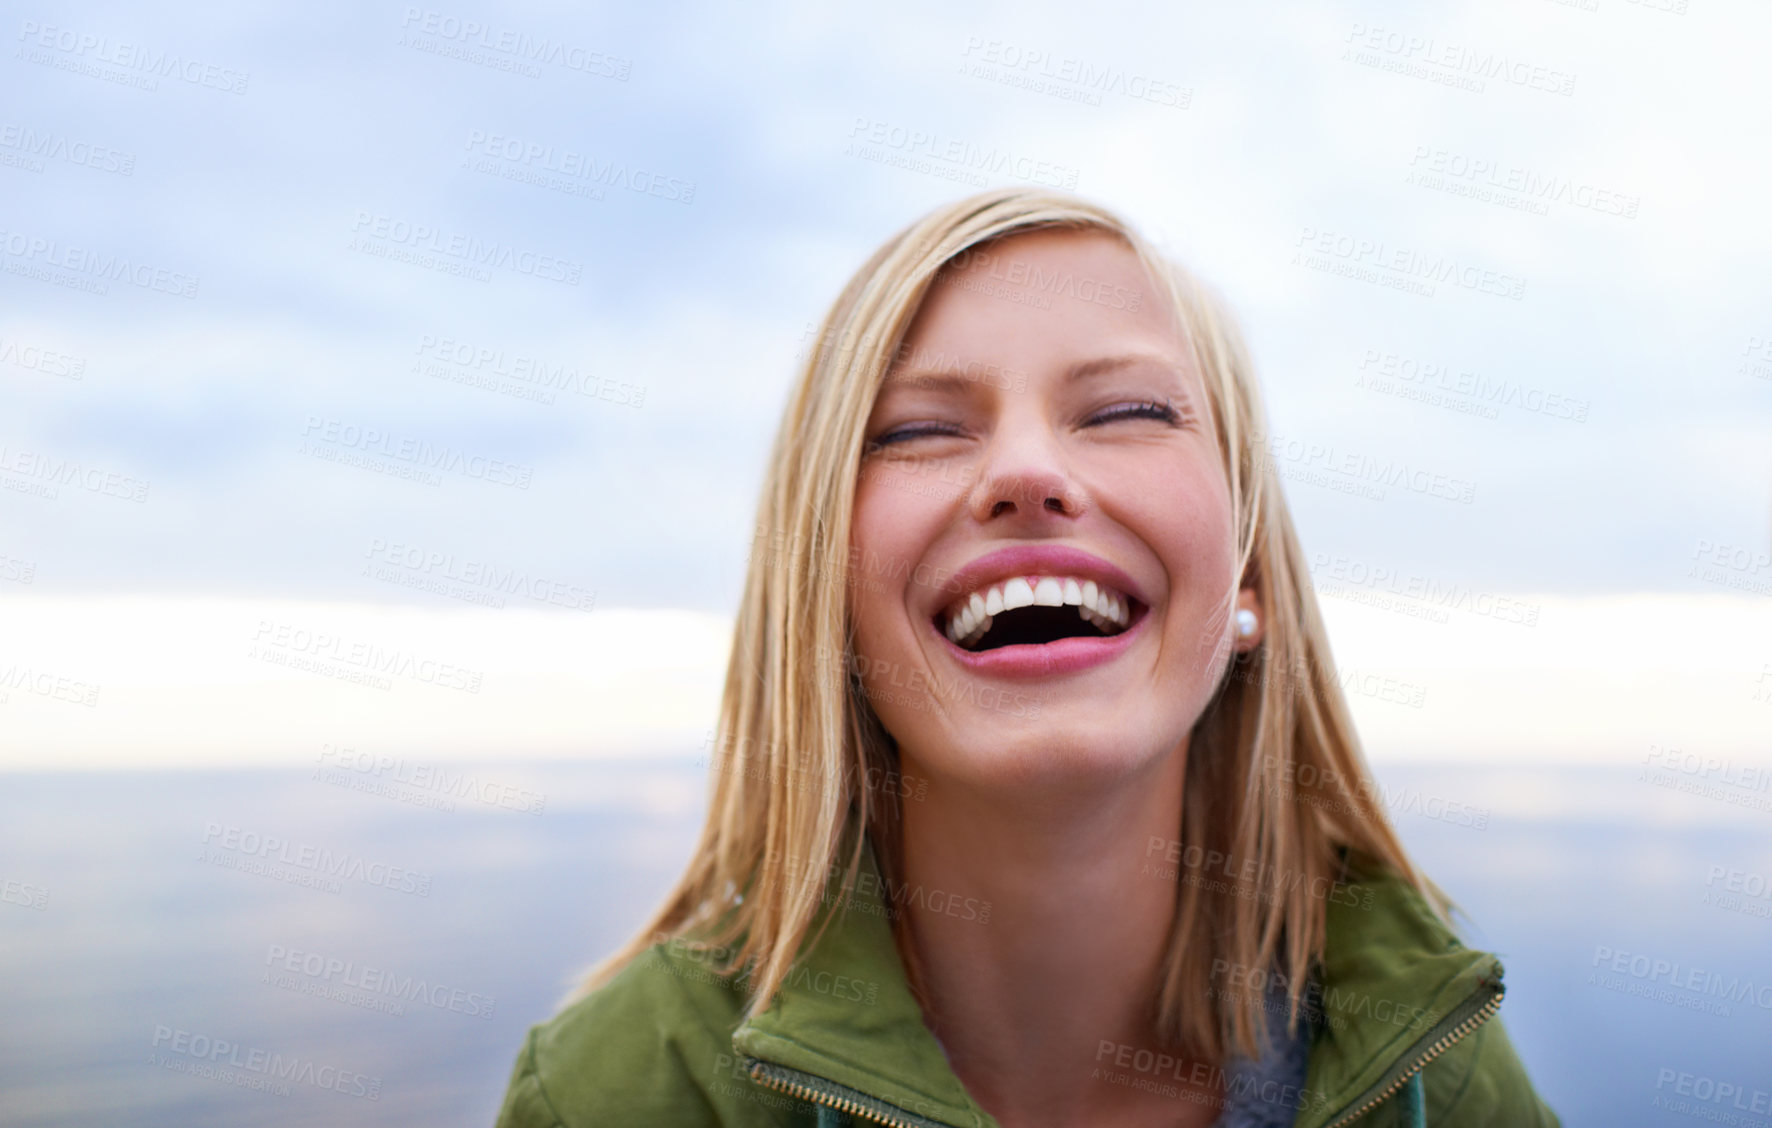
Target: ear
(1248, 599)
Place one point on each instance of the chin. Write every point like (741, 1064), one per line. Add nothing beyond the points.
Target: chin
(1073, 747)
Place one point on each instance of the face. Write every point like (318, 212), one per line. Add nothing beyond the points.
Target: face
(1041, 460)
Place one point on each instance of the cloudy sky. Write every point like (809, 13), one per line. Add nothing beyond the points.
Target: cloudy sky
(255, 258)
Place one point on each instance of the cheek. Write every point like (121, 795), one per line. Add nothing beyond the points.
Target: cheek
(1186, 516)
(886, 541)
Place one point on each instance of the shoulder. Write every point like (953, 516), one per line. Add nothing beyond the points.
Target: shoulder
(1369, 895)
(1481, 1081)
(1384, 937)
(651, 1046)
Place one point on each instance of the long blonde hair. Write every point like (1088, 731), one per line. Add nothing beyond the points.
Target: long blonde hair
(1275, 776)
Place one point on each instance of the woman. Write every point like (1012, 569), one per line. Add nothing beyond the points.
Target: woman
(1037, 801)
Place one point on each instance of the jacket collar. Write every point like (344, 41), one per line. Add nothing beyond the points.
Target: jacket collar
(846, 1014)
(1393, 977)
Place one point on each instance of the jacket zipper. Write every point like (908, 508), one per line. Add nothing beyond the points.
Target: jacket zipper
(1453, 1028)
(808, 1087)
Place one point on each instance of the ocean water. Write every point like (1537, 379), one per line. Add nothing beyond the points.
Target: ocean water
(164, 935)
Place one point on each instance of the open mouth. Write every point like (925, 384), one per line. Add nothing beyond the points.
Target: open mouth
(1036, 610)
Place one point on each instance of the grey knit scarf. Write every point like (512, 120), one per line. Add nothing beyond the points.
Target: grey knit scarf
(1266, 1092)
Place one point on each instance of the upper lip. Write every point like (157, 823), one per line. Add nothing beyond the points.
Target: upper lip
(1037, 560)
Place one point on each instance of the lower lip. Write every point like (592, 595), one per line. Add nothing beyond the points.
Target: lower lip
(1031, 660)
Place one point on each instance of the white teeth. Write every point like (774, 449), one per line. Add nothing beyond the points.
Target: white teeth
(971, 619)
(1017, 593)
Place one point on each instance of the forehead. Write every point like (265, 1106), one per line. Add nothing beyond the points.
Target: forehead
(1089, 248)
(1041, 302)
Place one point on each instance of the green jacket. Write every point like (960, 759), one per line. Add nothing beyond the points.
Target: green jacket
(1410, 1037)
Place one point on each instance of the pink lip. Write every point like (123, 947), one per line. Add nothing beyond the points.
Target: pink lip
(1064, 656)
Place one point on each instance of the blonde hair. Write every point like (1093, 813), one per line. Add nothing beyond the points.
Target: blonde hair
(755, 885)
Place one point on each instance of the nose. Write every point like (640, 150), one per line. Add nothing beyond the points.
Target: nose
(1025, 477)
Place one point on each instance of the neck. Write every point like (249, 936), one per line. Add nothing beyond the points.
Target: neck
(1072, 955)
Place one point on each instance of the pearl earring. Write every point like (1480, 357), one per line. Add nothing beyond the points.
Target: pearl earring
(1245, 623)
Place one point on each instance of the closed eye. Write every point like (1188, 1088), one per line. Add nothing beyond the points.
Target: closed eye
(1148, 409)
(904, 433)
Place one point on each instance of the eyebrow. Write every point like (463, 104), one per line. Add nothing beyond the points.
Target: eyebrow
(943, 381)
